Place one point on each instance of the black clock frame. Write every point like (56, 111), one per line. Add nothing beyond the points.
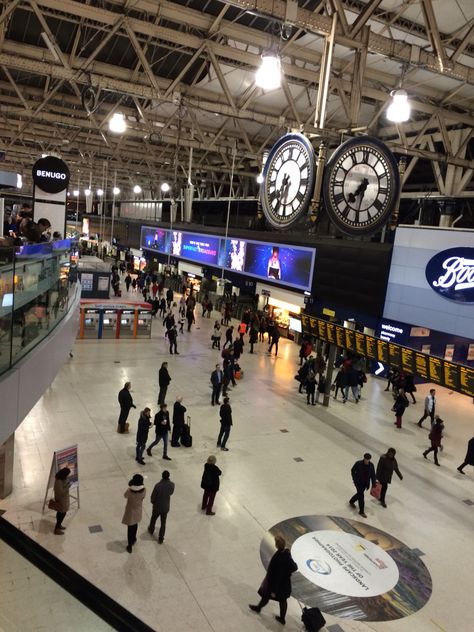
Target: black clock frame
(393, 178)
(287, 138)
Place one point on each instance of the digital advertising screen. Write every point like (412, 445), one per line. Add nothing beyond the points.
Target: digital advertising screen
(232, 255)
(154, 239)
(281, 264)
(176, 243)
(200, 248)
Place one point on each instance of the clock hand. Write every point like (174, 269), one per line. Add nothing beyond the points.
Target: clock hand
(360, 189)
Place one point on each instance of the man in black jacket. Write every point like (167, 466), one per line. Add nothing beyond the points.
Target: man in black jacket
(363, 473)
(160, 499)
(126, 403)
(144, 425)
(217, 377)
(225, 413)
(163, 382)
(162, 427)
(172, 334)
(178, 422)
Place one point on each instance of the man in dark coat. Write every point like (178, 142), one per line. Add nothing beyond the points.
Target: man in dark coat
(163, 381)
(178, 422)
(172, 334)
(277, 582)
(228, 336)
(126, 403)
(160, 499)
(169, 297)
(210, 485)
(144, 425)
(469, 459)
(386, 466)
(162, 427)
(225, 413)
(274, 340)
(216, 380)
(363, 473)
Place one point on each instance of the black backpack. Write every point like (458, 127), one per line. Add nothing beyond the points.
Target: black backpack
(312, 619)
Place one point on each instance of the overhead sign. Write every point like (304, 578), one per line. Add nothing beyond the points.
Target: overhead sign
(450, 273)
(456, 377)
(51, 174)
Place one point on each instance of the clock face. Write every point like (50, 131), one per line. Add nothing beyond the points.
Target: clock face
(361, 186)
(288, 180)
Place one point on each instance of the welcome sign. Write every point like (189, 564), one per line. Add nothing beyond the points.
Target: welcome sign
(450, 273)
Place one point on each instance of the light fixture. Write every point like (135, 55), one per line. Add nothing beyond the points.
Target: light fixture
(268, 76)
(165, 187)
(117, 123)
(116, 191)
(260, 178)
(76, 193)
(44, 155)
(100, 192)
(87, 192)
(137, 189)
(399, 109)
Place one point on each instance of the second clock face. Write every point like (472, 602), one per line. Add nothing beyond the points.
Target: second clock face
(361, 185)
(288, 180)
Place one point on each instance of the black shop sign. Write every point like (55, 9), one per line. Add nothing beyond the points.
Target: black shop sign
(51, 174)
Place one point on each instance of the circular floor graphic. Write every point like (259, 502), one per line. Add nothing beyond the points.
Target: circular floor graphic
(350, 569)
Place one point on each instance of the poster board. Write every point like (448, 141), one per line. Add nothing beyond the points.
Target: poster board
(66, 457)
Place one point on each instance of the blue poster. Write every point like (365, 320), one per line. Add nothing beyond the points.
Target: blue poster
(232, 255)
(154, 239)
(280, 264)
(200, 248)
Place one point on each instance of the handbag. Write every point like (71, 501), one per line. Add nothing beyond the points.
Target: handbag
(376, 490)
(52, 504)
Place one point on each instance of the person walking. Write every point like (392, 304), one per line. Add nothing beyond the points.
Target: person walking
(310, 388)
(178, 422)
(126, 403)
(163, 381)
(435, 437)
(253, 336)
(225, 414)
(363, 474)
(386, 466)
(228, 337)
(339, 382)
(351, 380)
(242, 330)
(169, 297)
(410, 386)
(321, 389)
(277, 582)
(274, 340)
(399, 407)
(189, 316)
(133, 509)
(469, 458)
(216, 336)
(144, 425)
(210, 485)
(160, 499)
(61, 498)
(128, 281)
(217, 377)
(172, 334)
(430, 407)
(162, 427)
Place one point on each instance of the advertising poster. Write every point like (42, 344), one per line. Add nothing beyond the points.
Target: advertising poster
(200, 248)
(154, 239)
(68, 458)
(87, 281)
(176, 243)
(232, 255)
(281, 264)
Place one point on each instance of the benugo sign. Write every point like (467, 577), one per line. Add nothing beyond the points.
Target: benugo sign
(450, 274)
(51, 174)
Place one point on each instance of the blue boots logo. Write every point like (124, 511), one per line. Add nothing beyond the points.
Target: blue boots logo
(322, 568)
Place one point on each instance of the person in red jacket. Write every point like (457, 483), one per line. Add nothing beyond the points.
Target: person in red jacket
(435, 436)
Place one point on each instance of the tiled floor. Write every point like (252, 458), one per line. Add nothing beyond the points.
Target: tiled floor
(208, 570)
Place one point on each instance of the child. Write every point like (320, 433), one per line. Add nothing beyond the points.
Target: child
(181, 322)
(321, 388)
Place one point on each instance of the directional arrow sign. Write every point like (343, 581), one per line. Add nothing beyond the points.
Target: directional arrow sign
(380, 369)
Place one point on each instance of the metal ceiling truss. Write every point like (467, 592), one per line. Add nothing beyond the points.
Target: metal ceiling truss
(29, 114)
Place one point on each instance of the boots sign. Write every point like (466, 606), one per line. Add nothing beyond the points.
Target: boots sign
(450, 273)
(51, 174)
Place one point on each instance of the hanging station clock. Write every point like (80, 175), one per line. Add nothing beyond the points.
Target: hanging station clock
(361, 186)
(288, 180)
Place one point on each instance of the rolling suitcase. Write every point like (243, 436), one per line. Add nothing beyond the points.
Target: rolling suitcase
(186, 436)
(312, 619)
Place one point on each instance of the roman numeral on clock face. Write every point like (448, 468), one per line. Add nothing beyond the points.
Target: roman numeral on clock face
(338, 198)
(378, 204)
(300, 196)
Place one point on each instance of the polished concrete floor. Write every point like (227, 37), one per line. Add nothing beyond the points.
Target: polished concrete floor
(207, 571)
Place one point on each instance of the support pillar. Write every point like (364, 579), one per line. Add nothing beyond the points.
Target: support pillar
(7, 450)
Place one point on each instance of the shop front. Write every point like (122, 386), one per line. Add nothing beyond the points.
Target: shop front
(283, 307)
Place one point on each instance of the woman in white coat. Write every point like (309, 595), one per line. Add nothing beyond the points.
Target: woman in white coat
(133, 510)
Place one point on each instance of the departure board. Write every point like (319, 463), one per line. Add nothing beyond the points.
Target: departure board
(408, 360)
(340, 337)
(466, 380)
(360, 343)
(394, 356)
(382, 351)
(322, 329)
(451, 375)
(350, 340)
(456, 377)
(436, 371)
(371, 347)
(331, 333)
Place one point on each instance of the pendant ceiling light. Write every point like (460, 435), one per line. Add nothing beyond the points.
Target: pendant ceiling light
(268, 76)
(399, 109)
(117, 123)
